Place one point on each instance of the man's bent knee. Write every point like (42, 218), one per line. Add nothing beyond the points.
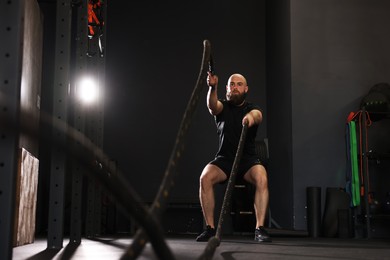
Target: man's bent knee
(212, 174)
(257, 175)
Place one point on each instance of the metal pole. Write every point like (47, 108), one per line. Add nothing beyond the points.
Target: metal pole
(11, 24)
(94, 121)
(78, 121)
(365, 174)
(60, 111)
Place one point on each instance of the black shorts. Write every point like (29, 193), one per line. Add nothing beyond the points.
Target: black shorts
(226, 165)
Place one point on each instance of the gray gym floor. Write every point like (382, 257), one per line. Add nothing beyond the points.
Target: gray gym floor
(284, 246)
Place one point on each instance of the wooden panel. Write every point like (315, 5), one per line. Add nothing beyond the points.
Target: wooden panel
(26, 198)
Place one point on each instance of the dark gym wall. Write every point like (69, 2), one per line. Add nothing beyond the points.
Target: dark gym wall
(278, 75)
(339, 50)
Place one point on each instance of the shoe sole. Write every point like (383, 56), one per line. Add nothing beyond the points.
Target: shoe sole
(266, 240)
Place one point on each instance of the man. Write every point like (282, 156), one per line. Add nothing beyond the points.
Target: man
(230, 114)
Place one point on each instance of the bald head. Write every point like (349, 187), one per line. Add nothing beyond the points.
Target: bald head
(236, 77)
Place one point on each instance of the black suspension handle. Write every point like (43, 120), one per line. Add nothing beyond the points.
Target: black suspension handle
(211, 65)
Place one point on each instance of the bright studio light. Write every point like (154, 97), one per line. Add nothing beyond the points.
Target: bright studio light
(88, 90)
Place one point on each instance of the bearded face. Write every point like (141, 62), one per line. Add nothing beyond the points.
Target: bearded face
(235, 97)
(236, 89)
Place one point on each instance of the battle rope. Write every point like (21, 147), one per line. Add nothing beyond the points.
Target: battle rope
(93, 158)
(160, 201)
(215, 241)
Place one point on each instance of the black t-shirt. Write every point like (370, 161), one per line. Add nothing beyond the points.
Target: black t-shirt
(229, 128)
